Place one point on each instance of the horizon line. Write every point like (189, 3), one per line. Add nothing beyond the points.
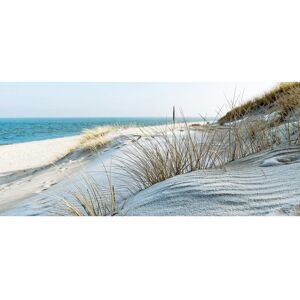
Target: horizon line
(95, 117)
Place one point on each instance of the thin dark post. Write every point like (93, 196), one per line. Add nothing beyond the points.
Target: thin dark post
(174, 115)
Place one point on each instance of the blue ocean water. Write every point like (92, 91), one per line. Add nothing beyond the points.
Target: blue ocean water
(35, 129)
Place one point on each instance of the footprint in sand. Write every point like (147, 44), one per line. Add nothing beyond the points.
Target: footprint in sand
(60, 170)
(48, 183)
(45, 185)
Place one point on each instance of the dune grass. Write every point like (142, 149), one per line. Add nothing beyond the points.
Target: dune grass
(157, 156)
(94, 139)
(91, 199)
(167, 153)
(263, 123)
(283, 98)
(258, 133)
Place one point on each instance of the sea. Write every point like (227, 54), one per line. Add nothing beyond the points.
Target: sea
(22, 130)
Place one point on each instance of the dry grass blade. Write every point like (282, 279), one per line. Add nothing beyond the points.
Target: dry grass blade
(269, 121)
(94, 139)
(283, 98)
(91, 199)
(167, 153)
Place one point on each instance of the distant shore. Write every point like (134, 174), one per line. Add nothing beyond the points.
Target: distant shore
(13, 131)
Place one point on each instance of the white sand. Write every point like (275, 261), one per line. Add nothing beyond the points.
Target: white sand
(37, 154)
(267, 183)
(34, 154)
(29, 172)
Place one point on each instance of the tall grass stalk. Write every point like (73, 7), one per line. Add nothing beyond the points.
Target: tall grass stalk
(168, 153)
(262, 131)
(283, 98)
(92, 199)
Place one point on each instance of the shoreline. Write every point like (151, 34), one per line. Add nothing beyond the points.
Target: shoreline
(28, 174)
(41, 140)
(32, 168)
(35, 154)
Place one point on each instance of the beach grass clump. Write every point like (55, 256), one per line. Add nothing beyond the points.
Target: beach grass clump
(258, 133)
(94, 139)
(247, 137)
(154, 157)
(284, 98)
(167, 153)
(91, 199)
(262, 123)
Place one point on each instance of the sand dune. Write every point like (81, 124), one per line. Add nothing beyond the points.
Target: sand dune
(264, 184)
(32, 176)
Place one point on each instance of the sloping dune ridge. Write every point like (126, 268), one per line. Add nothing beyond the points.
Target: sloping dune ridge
(267, 183)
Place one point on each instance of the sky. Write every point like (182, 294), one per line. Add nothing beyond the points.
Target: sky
(121, 99)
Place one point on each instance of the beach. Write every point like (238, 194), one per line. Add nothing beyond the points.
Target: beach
(247, 163)
(44, 169)
(30, 168)
(24, 156)
(36, 178)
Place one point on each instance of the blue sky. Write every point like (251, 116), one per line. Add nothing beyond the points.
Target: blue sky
(119, 99)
